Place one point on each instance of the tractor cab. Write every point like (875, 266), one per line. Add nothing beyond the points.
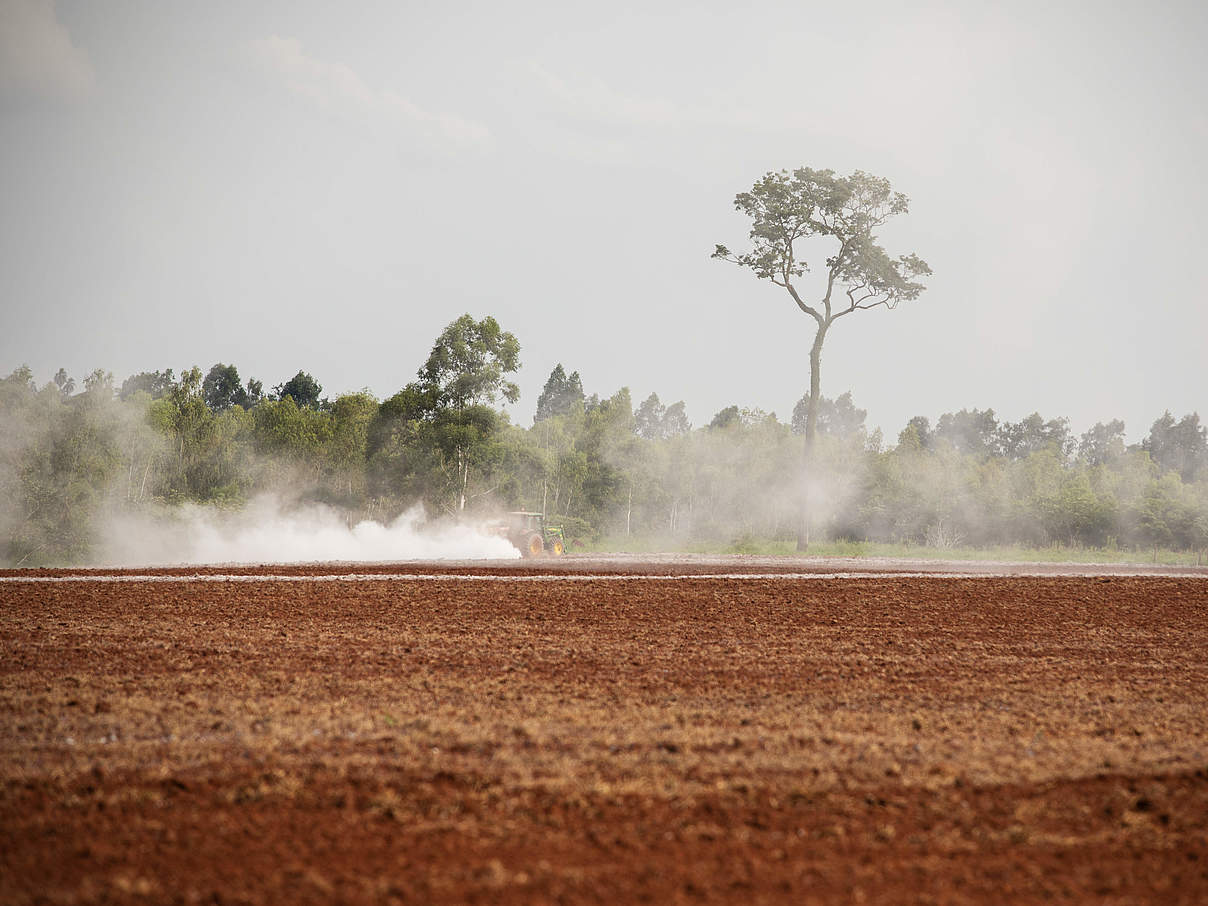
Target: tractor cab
(533, 536)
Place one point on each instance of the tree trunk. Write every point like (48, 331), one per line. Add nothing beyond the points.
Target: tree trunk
(142, 488)
(811, 429)
(463, 476)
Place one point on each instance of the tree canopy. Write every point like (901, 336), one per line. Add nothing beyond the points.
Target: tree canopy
(788, 208)
(560, 395)
(303, 389)
(222, 388)
(469, 363)
(1179, 445)
(153, 383)
(654, 421)
(839, 417)
(65, 462)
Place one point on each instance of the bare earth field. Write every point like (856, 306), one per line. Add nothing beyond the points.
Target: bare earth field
(604, 730)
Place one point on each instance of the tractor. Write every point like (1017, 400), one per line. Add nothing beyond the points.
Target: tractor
(532, 536)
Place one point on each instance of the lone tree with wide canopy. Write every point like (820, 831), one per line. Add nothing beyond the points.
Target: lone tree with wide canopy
(787, 211)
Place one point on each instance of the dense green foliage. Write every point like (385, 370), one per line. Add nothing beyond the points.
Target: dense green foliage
(69, 460)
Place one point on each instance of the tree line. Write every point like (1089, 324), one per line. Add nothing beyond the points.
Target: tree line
(72, 456)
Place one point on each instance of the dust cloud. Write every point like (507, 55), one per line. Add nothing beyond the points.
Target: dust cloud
(266, 531)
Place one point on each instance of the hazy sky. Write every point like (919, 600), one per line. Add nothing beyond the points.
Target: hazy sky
(325, 186)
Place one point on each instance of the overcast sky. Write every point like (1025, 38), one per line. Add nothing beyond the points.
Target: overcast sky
(325, 186)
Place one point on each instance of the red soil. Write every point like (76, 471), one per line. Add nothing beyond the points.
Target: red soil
(941, 740)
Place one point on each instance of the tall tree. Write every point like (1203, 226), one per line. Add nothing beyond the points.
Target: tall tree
(727, 417)
(560, 395)
(969, 431)
(917, 434)
(303, 389)
(675, 420)
(839, 417)
(1180, 446)
(253, 394)
(469, 362)
(155, 383)
(607, 433)
(1102, 444)
(648, 420)
(789, 209)
(64, 382)
(345, 451)
(654, 421)
(1018, 440)
(222, 388)
(466, 372)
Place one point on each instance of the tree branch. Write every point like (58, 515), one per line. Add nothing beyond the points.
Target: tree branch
(812, 312)
(483, 493)
(889, 301)
(836, 265)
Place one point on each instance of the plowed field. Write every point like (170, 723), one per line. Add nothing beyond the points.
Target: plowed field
(747, 739)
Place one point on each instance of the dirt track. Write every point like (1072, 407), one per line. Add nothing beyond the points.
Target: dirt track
(631, 564)
(885, 739)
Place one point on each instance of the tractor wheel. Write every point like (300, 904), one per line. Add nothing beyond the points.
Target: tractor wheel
(556, 547)
(535, 546)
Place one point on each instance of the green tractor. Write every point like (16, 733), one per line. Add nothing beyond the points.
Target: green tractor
(533, 536)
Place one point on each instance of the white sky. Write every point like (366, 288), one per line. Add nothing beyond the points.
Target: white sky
(325, 186)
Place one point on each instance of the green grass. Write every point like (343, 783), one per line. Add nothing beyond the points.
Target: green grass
(635, 544)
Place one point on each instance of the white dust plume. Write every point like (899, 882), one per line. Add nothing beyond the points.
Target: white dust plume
(266, 532)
